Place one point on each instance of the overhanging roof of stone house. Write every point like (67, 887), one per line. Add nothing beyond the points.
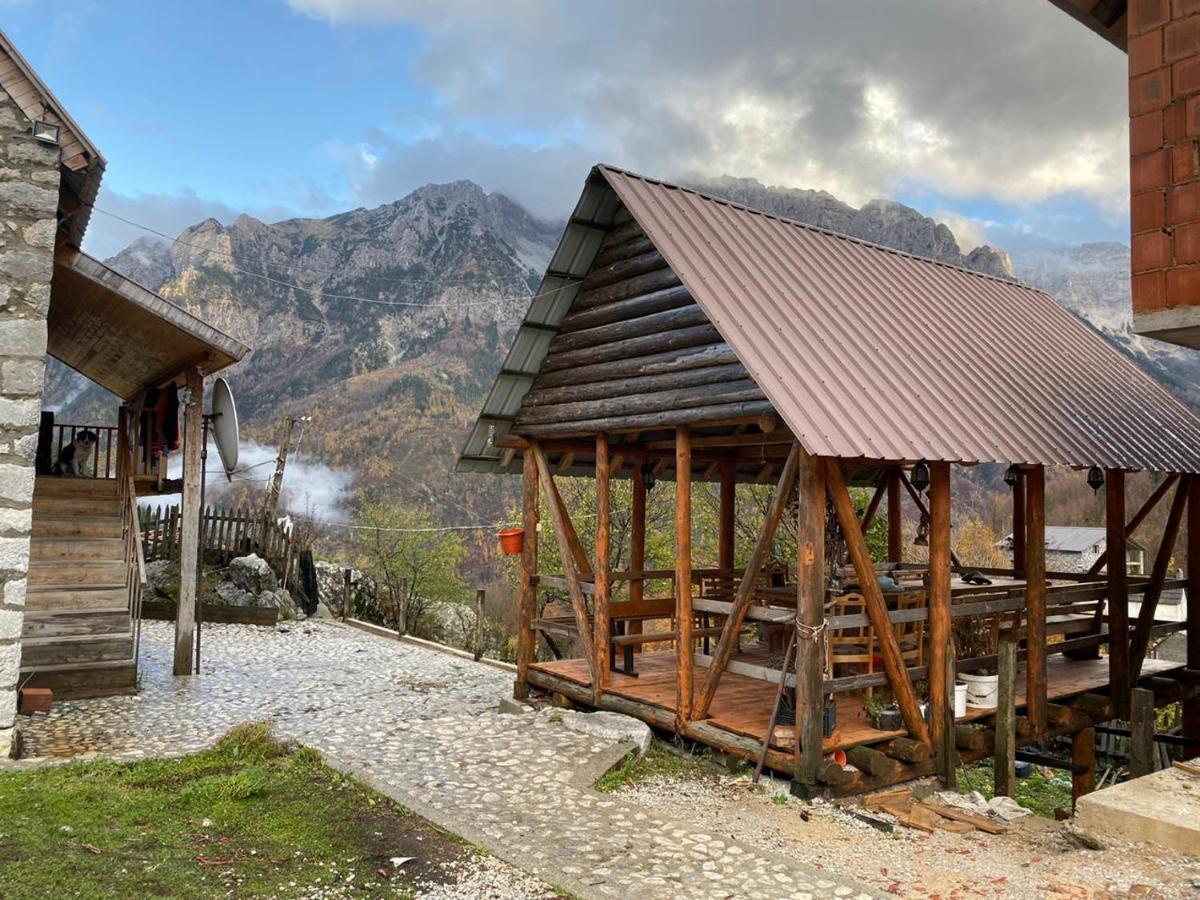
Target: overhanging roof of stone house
(1108, 18)
(863, 351)
(1075, 538)
(82, 164)
(123, 336)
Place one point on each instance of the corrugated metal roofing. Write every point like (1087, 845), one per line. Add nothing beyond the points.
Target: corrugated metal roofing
(1074, 538)
(867, 352)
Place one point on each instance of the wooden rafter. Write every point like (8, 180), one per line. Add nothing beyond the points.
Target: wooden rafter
(745, 593)
(562, 530)
(856, 546)
(1140, 641)
(1138, 518)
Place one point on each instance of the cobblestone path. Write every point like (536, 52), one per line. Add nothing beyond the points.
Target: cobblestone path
(422, 727)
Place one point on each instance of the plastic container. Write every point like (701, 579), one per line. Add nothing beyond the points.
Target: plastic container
(960, 699)
(512, 541)
(982, 690)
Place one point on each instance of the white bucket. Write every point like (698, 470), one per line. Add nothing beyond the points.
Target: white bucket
(960, 699)
(981, 690)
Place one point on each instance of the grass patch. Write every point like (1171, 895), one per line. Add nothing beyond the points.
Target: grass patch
(1038, 793)
(252, 817)
(658, 761)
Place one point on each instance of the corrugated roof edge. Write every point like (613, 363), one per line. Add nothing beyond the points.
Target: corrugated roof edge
(605, 167)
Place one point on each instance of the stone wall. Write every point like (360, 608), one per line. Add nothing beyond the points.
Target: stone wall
(29, 181)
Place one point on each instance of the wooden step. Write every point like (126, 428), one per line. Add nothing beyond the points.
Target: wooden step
(62, 486)
(59, 548)
(87, 648)
(53, 599)
(72, 505)
(54, 526)
(77, 681)
(42, 624)
(88, 573)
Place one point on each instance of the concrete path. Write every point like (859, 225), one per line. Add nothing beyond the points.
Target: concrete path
(422, 727)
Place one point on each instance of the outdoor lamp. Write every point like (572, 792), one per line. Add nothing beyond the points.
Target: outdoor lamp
(45, 132)
(648, 476)
(920, 476)
(1095, 479)
(1011, 475)
(922, 538)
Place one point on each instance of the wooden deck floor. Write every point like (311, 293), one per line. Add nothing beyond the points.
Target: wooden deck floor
(743, 704)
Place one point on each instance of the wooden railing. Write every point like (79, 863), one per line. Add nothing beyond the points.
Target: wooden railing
(107, 455)
(135, 559)
(224, 534)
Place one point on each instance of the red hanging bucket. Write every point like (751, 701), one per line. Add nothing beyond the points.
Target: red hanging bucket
(512, 541)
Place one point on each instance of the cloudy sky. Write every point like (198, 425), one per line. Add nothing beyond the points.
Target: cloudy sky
(1004, 119)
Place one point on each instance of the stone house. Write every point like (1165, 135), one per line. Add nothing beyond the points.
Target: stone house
(70, 564)
(1075, 548)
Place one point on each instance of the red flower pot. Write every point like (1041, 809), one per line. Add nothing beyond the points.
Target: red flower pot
(512, 541)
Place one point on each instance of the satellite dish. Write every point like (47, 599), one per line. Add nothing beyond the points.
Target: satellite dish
(225, 425)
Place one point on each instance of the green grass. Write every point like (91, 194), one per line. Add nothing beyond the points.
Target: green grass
(1038, 793)
(251, 817)
(657, 762)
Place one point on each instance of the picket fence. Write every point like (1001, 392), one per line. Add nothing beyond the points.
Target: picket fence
(225, 533)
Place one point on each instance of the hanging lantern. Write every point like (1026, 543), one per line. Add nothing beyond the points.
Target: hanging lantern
(922, 538)
(648, 476)
(920, 476)
(1095, 479)
(1011, 475)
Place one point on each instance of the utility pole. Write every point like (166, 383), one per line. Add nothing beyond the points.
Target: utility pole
(280, 463)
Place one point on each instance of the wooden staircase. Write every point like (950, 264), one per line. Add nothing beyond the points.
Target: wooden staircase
(79, 633)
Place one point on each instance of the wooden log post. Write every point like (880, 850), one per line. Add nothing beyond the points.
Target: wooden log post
(637, 541)
(1035, 598)
(684, 653)
(527, 598)
(728, 515)
(1118, 588)
(1191, 706)
(600, 599)
(895, 517)
(1141, 732)
(1138, 517)
(480, 596)
(1140, 642)
(1018, 524)
(347, 577)
(189, 529)
(856, 546)
(810, 621)
(941, 683)
(1083, 763)
(1005, 761)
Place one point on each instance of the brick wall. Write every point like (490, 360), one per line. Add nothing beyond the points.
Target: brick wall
(29, 182)
(1164, 137)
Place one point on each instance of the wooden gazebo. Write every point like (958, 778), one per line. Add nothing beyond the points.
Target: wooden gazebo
(678, 336)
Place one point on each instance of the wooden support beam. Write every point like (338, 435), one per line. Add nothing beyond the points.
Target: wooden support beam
(189, 526)
(856, 546)
(1141, 736)
(1083, 763)
(810, 616)
(895, 517)
(1191, 706)
(1140, 642)
(637, 542)
(562, 529)
(600, 599)
(1035, 597)
(1004, 770)
(873, 506)
(941, 667)
(1118, 588)
(684, 651)
(527, 605)
(1139, 517)
(1018, 525)
(745, 593)
(728, 514)
(921, 508)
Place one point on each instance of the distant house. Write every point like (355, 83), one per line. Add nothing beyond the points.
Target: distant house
(1075, 548)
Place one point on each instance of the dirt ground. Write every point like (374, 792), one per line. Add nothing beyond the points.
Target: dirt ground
(1038, 858)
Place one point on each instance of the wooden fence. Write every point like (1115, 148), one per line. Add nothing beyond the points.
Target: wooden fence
(224, 534)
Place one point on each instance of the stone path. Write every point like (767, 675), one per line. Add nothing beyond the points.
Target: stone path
(422, 727)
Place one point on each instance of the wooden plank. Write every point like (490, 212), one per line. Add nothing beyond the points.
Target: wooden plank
(189, 563)
(940, 682)
(1140, 642)
(683, 573)
(1191, 706)
(527, 604)
(1116, 537)
(1145, 510)
(1141, 728)
(603, 631)
(810, 616)
(745, 592)
(1035, 597)
(561, 524)
(856, 545)
(983, 823)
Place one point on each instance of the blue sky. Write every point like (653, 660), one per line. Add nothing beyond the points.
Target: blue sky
(1006, 123)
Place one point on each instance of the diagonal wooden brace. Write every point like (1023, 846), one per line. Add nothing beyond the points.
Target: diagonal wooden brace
(1140, 642)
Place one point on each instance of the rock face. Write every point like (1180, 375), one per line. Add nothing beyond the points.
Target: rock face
(247, 581)
(147, 261)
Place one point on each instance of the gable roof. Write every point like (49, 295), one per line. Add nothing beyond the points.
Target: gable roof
(863, 351)
(83, 163)
(1075, 538)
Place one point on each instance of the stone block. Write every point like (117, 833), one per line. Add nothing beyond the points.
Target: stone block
(31, 151)
(19, 414)
(23, 337)
(26, 264)
(609, 726)
(8, 717)
(14, 592)
(22, 376)
(16, 481)
(40, 234)
(11, 621)
(15, 522)
(10, 665)
(512, 707)
(1162, 809)
(14, 554)
(37, 297)
(26, 447)
(24, 197)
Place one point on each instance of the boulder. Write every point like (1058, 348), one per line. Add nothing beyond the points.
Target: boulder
(605, 725)
(279, 599)
(251, 573)
(226, 593)
(163, 578)
(322, 612)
